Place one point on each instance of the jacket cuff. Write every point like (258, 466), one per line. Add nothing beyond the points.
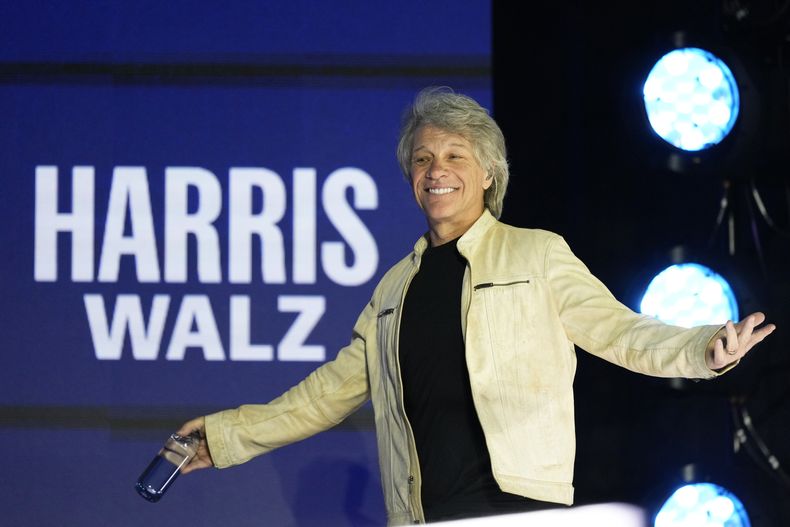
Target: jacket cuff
(216, 441)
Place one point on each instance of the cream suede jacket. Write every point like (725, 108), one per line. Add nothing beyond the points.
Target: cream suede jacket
(526, 301)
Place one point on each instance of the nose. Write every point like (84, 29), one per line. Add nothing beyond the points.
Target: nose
(436, 170)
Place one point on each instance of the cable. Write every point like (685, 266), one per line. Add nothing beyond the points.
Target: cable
(756, 235)
(758, 200)
(746, 436)
(724, 205)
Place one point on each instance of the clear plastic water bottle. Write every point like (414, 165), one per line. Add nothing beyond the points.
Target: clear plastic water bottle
(165, 467)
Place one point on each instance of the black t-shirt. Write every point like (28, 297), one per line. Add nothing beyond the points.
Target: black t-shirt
(456, 469)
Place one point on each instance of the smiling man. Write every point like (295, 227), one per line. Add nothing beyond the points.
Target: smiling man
(466, 347)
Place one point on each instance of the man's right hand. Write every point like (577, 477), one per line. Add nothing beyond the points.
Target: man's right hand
(203, 457)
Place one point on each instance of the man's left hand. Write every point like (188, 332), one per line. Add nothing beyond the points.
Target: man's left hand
(734, 341)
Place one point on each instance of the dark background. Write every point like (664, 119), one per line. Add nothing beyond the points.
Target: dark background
(584, 163)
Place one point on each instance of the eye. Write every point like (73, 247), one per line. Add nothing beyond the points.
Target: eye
(419, 161)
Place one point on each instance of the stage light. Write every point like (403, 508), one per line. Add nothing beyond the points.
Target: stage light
(691, 99)
(702, 505)
(689, 294)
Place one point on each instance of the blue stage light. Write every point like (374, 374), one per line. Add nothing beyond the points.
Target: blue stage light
(689, 295)
(702, 505)
(691, 99)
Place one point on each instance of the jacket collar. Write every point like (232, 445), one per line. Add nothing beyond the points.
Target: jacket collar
(469, 239)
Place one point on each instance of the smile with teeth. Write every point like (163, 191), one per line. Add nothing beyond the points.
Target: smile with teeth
(443, 190)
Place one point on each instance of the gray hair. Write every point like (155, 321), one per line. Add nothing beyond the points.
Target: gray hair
(458, 114)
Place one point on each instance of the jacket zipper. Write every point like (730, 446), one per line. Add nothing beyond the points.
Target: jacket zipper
(486, 285)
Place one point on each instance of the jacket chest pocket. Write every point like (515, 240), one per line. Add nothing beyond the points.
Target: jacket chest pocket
(509, 310)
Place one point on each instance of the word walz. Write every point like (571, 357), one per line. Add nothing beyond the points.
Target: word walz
(195, 328)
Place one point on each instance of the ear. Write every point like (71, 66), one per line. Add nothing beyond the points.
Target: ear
(488, 181)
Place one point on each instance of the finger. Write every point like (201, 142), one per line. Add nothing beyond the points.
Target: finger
(190, 426)
(767, 330)
(196, 464)
(758, 317)
(760, 334)
(745, 330)
(719, 355)
(732, 337)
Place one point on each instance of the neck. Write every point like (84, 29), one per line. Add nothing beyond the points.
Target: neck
(441, 233)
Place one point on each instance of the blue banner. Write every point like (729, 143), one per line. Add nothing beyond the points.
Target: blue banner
(198, 202)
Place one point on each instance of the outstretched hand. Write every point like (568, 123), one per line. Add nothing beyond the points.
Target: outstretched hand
(203, 457)
(734, 341)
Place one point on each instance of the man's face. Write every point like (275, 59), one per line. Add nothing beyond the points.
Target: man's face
(447, 181)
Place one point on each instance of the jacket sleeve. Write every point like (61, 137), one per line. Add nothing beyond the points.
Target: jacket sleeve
(595, 321)
(322, 400)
